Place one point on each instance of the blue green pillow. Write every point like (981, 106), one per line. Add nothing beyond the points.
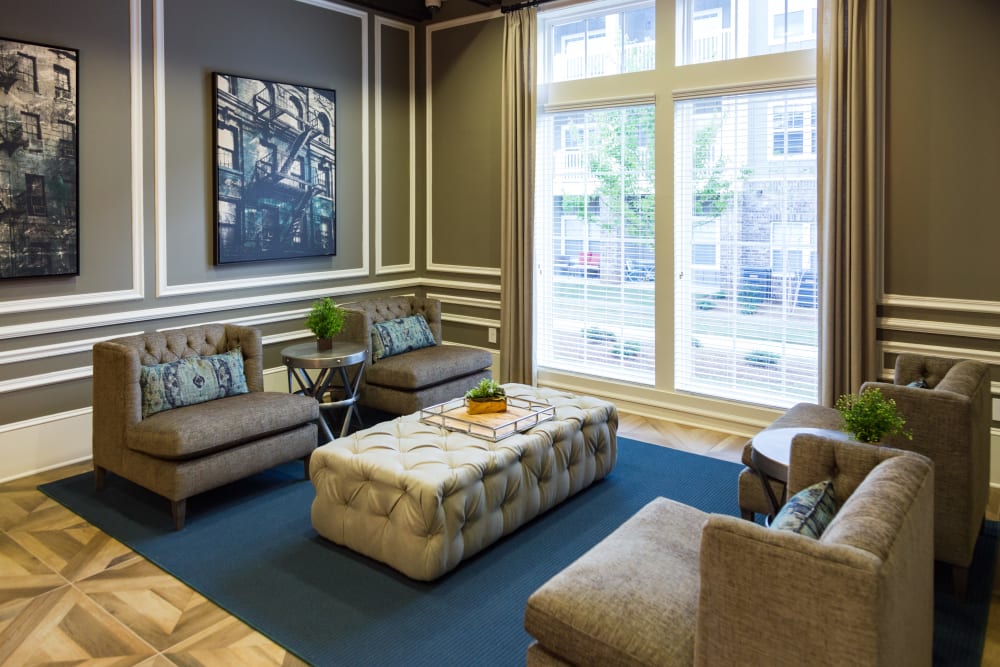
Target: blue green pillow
(809, 511)
(402, 334)
(191, 380)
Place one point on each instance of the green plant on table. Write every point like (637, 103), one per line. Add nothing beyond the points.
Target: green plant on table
(870, 416)
(326, 318)
(486, 390)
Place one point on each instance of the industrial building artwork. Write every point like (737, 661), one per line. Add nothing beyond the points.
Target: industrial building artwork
(39, 214)
(275, 170)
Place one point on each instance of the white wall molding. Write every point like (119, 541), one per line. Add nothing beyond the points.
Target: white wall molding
(163, 286)
(56, 349)
(440, 283)
(458, 268)
(429, 133)
(940, 328)
(45, 379)
(985, 356)
(938, 303)
(465, 301)
(147, 314)
(380, 268)
(474, 321)
(135, 146)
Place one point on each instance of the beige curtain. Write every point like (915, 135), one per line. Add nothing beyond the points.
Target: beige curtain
(517, 191)
(850, 58)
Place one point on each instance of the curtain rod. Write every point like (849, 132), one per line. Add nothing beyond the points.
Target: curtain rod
(523, 5)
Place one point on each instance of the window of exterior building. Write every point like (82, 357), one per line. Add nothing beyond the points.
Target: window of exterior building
(31, 125)
(67, 134)
(713, 30)
(35, 189)
(324, 125)
(297, 110)
(27, 72)
(228, 155)
(64, 90)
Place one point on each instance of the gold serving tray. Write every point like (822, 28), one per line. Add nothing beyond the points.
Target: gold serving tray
(522, 414)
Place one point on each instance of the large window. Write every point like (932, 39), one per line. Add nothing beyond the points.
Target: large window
(746, 287)
(595, 235)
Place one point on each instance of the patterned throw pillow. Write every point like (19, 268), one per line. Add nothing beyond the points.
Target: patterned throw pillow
(400, 335)
(809, 511)
(191, 380)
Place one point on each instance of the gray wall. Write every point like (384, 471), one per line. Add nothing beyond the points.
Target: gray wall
(942, 228)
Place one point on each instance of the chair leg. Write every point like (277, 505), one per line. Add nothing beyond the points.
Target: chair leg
(178, 509)
(305, 464)
(100, 474)
(746, 514)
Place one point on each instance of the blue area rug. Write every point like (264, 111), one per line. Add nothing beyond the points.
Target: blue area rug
(250, 547)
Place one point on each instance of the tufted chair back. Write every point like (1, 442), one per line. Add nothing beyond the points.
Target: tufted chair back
(361, 315)
(163, 347)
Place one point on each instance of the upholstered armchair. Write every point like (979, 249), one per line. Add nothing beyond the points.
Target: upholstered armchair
(405, 383)
(178, 452)
(950, 420)
(676, 586)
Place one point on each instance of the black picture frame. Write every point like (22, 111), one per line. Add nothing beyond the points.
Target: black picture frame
(275, 170)
(39, 160)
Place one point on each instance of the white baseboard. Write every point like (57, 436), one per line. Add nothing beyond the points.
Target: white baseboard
(36, 445)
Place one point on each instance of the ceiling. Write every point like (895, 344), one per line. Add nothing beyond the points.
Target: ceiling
(415, 10)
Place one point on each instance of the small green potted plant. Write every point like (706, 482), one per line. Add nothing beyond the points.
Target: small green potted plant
(485, 397)
(325, 320)
(870, 416)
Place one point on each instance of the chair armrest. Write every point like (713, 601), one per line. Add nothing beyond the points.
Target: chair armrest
(250, 342)
(116, 396)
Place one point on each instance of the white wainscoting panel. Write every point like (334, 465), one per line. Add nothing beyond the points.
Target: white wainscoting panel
(36, 445)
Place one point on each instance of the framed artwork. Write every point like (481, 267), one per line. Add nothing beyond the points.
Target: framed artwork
(274, 170)
(39, 165)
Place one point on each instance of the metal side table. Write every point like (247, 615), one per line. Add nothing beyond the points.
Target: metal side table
(345, 363)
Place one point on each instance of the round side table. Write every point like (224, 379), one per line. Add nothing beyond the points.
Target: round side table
(345, 362)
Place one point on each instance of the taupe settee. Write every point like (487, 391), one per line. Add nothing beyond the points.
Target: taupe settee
(676, 586)
(950, 421)
(407, 382)
(183, 451)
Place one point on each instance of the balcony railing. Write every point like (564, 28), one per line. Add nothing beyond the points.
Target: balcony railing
(716, 46)
(636, 57)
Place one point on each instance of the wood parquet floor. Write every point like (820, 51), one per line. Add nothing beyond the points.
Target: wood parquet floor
(72, 595)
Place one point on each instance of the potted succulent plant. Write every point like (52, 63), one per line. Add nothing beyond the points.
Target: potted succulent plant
(487, 396)
(870, 416)
(325, 320)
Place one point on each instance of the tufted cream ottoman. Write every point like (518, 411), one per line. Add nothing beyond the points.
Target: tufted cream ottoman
(420, 498)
